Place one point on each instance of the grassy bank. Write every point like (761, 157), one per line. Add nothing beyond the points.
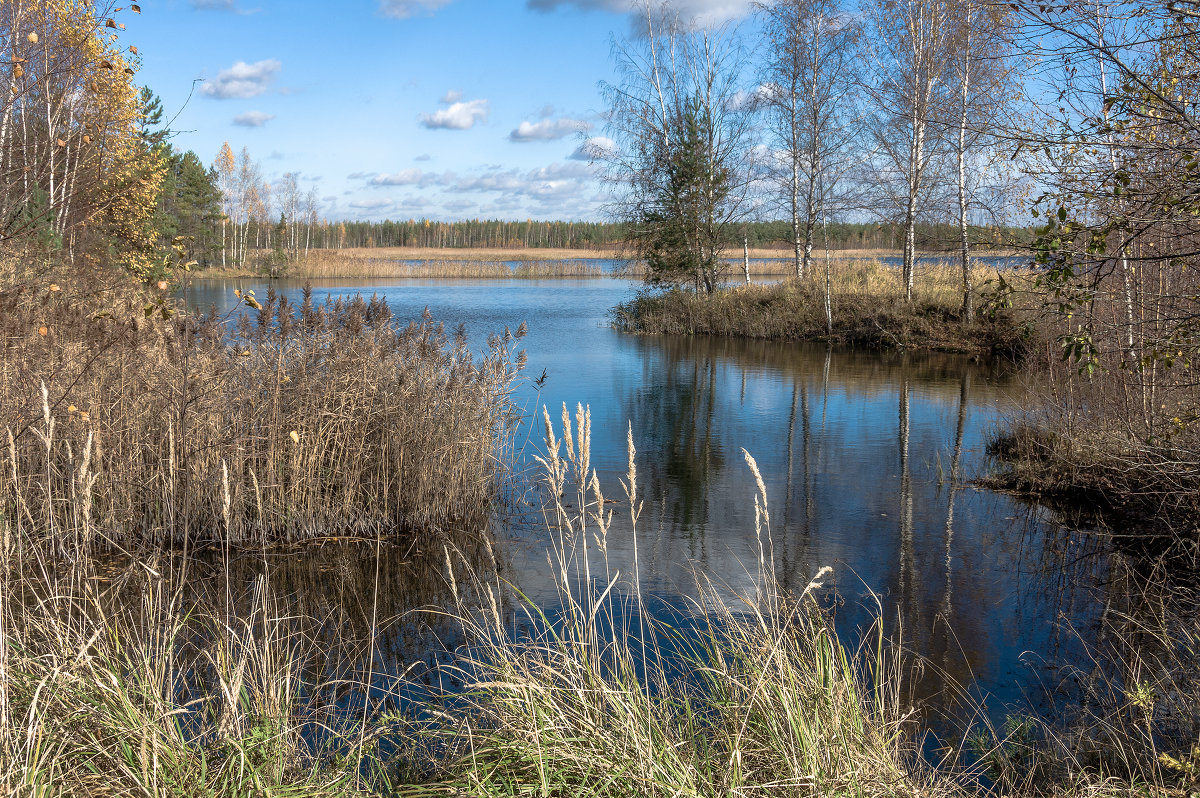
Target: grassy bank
(867, 304)
(1074, 448)
(126, 422)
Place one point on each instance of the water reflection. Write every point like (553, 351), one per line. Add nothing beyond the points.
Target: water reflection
(867, 459)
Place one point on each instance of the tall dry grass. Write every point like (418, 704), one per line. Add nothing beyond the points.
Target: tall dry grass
(120, 683)
(867, 306)
(599, 695)
(124, 421)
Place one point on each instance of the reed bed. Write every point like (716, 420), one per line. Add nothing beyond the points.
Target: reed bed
(332, 264)
(867, 304)
(126, 422)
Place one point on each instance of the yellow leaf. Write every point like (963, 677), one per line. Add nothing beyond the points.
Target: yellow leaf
(295, 436)
(133, 49)
(43, 331)
(33, 38)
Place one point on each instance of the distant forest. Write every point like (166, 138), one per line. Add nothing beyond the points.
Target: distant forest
(596, 235)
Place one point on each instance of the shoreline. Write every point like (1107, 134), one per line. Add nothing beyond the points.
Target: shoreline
(485, 263)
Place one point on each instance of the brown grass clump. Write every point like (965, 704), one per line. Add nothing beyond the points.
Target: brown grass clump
(868, 309)
(125, 421)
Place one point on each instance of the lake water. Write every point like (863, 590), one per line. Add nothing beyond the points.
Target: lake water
(859, 452)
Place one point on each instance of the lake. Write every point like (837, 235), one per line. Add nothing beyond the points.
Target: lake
(867, 459)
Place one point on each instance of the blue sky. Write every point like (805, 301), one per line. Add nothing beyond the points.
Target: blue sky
(397, 108)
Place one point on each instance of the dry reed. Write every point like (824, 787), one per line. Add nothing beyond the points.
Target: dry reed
(125, 419)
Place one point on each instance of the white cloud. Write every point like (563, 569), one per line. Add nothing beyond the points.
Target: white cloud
(405, 177)
(403, 9)
(371, 204)
(548, 129)
(458, 206)
(253, 119)
(594, 149)
(458, 116)
(242, 80)
(451, 97)
(704, 12)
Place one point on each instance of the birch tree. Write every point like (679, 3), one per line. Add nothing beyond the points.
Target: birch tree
(912, 58)
(681, 169)
(72, 166)
(809, 81)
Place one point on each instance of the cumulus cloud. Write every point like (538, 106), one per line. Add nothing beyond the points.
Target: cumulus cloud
(548, 130)
(242, 80)
(371, 204)
(253, 119)
(457, 116)
(403, 9)
(405, 177)
(557, 185)
(704, 12)
(451, 97)
(594, 149)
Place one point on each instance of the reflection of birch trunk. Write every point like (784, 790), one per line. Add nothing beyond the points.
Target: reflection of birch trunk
(805, 440)
(906, 498)
(955, 461)
(791, 437)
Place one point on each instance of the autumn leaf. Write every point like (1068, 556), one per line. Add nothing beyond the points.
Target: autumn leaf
(33, 38)
(108, 23)
(135, 8)
(106, 65)
(133, 49)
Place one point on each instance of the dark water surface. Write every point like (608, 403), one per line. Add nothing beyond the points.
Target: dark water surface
(859, 452)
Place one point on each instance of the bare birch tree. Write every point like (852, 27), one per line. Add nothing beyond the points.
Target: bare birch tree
(912, 54)
(809, 81)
